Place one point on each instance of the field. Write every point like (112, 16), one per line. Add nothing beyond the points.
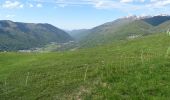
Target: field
(137, 69)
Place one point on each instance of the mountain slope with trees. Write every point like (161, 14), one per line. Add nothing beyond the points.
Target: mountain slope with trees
(18, 36)
(125, 28)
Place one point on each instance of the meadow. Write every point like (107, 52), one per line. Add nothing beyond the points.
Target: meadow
(137, 69)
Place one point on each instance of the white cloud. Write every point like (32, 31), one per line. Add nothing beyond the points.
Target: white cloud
(126, 1)
(62, 5)
(39, 5)
(99, 4)
(10, 16)
(12, 4)
(160, 3)
(104, 4)
(31, 5)
(130, 1)
(21, 6)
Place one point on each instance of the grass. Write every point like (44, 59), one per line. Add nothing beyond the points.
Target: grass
(128, 70)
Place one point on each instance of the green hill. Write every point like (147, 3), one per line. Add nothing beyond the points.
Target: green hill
(19, 36)
(136, 69)
(125, 28)
(114, 33)
(157, 20)
(162, 27)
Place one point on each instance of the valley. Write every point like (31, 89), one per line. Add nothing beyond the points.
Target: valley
(127, 59)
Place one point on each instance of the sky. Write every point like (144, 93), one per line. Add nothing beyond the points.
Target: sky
(78, 14)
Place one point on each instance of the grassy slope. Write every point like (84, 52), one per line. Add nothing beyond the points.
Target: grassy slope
(162, 27)
(121, 32)
(135, 69)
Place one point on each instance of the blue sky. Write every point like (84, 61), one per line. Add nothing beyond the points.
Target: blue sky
(78, 14)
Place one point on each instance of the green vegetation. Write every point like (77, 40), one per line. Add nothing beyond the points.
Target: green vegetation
(53, 47)
(78, 34)
(21, 36)
(157, 20)
(123, 28)
(135, 69)
(135, 28)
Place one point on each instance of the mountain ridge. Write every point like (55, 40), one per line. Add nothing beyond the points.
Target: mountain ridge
(18, 35)
(122, 28)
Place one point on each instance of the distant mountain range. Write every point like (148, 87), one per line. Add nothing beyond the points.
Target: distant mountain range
(125, 28)
(23, 36)
(18, 36)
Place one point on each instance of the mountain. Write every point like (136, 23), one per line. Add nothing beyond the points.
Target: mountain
(78, 34)
(162, 27)
(157, 20)
(125, 28)
(17, 36)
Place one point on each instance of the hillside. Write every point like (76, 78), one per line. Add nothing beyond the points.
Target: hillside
(157, 20)
(19, 36)
(78, 34)
(164, 27)
(135, 69)
(124, 28)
